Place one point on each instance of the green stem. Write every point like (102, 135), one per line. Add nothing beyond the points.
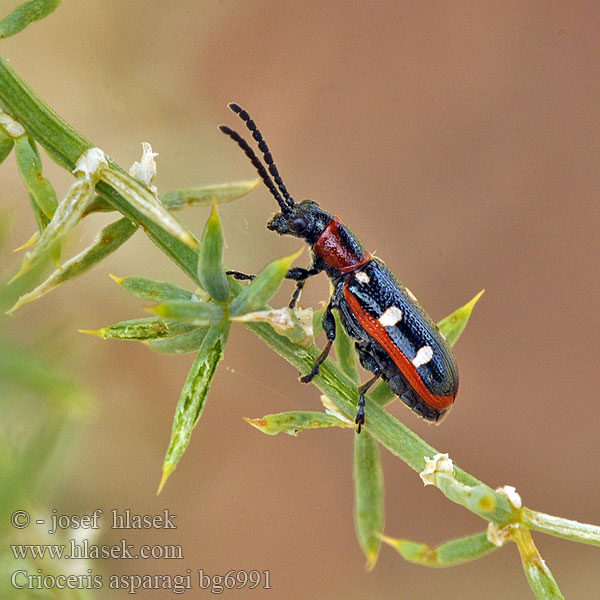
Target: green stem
(59, 139)
(559, 527)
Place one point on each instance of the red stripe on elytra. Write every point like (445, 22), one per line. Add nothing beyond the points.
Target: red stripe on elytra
(376, 330)
(330, 247)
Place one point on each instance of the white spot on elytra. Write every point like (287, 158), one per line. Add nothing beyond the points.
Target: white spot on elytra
(411, 295)
(390, 317)
(363, 277)
(424, 355)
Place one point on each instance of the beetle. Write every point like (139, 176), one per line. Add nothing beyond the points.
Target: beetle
(394, 337)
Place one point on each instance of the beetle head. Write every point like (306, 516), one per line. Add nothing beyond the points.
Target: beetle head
(304, 220)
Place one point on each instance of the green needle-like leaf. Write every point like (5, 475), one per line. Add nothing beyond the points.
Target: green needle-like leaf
(368, 474)
(40, 218)
(30, 166)
(263, 287)
(197, 196)
(150, 289)
(448, 554)
(142, 329)
(453, 325)
(368, 495)
(560, 527)
(206, 195)
(113, 236)
(194, 312)
(26, 13)
(538, 574)
(295, 421)
(179, 344)
(193, 396)
(211, 271)
(66, 216)
(148, 205)
(542, 581)
(318, 322)
(6, 145)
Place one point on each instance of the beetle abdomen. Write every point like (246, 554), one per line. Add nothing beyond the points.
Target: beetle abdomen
(413, 352)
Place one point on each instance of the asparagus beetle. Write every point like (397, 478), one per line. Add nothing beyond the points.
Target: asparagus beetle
(394, 337)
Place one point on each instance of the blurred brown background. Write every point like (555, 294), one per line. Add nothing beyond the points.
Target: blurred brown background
(461, 140)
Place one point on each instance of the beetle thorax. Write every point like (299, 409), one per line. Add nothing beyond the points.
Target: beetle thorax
(340, 250)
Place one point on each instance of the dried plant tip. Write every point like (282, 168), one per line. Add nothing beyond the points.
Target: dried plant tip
(440, 463)
(145, 170)
(500, 534)
(294, 324)
(91, 164)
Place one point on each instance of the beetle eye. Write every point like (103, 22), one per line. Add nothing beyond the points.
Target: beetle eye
(298, 224)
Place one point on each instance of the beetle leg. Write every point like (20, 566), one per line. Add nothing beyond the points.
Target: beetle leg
(367, 360)
(329, 329)
(362, 390)
(297, 274)
(300, 276)
(296, 294)
(241, 276)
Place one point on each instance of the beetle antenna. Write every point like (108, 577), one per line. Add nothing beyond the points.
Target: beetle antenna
(262, 146)
(241, 142)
